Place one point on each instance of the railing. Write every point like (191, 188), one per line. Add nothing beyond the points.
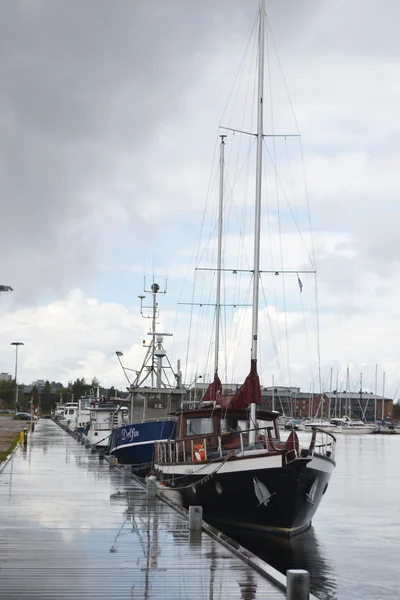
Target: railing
(214, 447)
(325, 444)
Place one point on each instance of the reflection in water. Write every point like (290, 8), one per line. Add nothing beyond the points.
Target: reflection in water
(154, 529)
(301, 552)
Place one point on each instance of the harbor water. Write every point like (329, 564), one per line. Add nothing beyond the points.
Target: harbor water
(352, 548)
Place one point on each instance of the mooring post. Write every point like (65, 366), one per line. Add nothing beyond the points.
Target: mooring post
(297, 584)
(195, 518)
(151, 486)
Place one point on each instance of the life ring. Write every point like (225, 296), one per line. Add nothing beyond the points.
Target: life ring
(199, 453)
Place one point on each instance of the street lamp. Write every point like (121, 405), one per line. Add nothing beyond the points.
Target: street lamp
(6, 288)
(16, 344)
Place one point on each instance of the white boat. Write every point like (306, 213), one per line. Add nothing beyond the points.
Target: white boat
(104, 415)
(349, 426)
(75, 414)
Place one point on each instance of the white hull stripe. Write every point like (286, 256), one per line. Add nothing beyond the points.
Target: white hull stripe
(136, 444)
(230, 466)
(235, 466)
(321, 464)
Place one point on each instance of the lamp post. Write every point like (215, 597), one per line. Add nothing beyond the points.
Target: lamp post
(16, 344)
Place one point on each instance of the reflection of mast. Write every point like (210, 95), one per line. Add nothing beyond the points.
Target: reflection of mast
(150, 546)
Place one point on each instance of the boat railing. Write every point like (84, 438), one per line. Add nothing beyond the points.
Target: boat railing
(323, 442)
(213, 446)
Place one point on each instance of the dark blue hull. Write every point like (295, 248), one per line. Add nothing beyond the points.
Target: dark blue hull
(134, 444)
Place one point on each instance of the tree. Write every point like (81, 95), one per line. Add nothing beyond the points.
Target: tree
(7, 392)
(396, 410)
(111, 392)
(80, 388)
(95, 383)
(46, 398)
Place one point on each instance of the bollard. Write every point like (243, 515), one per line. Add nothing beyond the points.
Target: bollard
(25, 436)
(297, 584)
(102, 452)
(195, 518)
(128, 471)
(151, 486)
(32, 425)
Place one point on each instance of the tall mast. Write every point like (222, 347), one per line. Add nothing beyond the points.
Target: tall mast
(219, 259)
(257, 224)
(383, 397)
(376, 388)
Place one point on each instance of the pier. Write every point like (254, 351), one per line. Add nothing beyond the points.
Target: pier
(72, 526)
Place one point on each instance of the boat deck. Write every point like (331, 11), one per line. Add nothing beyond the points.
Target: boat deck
(74, 527)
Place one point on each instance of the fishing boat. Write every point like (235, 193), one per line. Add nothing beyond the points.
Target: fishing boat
(228, 455)
(105, 414)
(75, 415)
(154, 397)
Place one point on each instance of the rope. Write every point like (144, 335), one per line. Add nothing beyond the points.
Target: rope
(206, 477)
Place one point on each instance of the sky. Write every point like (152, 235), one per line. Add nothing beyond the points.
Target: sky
(109, 116)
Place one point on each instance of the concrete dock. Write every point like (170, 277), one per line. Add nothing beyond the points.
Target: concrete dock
(71, 526)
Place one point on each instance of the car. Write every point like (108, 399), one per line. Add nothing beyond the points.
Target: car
(22, 416)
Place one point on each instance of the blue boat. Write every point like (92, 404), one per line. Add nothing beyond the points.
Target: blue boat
(154, 397)
(134, 444)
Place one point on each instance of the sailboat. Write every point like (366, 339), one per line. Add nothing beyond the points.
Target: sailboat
(154, 397)
(228, 455)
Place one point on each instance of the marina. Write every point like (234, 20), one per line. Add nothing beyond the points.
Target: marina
(74, 527)
(237, 437)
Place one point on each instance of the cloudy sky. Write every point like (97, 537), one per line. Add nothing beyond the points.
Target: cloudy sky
(109, 115)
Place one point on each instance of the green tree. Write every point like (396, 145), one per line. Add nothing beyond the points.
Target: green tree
(111, 392)
(46, 398)
(7, 392)
(62, 395)
(80, 388)
(396, 410)
(95, 383)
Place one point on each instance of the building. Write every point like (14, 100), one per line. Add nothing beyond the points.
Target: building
(5, 377)
(357, 405)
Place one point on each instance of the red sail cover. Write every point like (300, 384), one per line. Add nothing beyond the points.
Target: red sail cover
(248, 393)
(214, 390)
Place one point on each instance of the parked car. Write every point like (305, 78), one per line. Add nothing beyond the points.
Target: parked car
(22, 416)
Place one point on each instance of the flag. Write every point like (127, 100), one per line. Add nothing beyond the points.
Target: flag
(300, 284)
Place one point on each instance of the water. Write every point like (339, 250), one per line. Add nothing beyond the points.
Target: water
(351, 549)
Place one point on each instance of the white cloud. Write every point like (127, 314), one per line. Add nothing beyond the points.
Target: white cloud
(106, 160)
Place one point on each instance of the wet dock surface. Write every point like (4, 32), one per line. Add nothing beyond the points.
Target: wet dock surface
(71, 526)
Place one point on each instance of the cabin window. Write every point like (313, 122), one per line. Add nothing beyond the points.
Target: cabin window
(156, 401)
(199, 426)
(263, 425)
(71, 411)
(233, 424)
